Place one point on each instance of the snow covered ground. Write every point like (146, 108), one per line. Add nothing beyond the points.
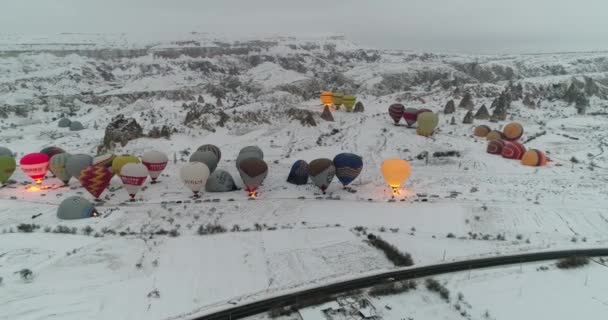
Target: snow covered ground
(128, 267)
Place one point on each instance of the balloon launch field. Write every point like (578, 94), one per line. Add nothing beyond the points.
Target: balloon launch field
(168, 255)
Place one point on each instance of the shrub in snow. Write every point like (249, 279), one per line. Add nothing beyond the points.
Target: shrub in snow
(27, 227)
(26, 274)
(435, 286)
(393, 254)
(211, 229)
(573, 262)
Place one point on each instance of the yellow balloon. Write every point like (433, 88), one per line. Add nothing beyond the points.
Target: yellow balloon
(326, 97)
(427, 122)
(395, 171)
(120, 161)
(336, 98)
(349, 102)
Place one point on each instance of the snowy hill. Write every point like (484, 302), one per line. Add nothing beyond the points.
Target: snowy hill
(152, 259)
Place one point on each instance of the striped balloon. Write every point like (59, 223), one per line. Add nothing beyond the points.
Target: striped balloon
(513, 150)
(51, 151)
(57, 167)
(495, 147)
(534, 157)
(348, 167)
(298, 174)
(396, 111)
(95, 179)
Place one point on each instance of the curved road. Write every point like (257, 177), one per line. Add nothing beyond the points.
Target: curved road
(265, 305)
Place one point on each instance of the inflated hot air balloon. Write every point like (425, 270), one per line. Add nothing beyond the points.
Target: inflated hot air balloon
(348, 167)
(58, 167)
(220, 181)
(194, 175)
(6, 152)
(396, 111)
(424, 110)
(326, 97)
(122, 160)
(212, 148)
(104, 160)
(494, 135)
(495, 147)
(95, 179)
(349, 102)
(253, 149)
(336, 99)
(7, 168)
(322, 172)
(156, 162)
(133, 176)
(395, 171)
(482, 131)
(410, 115)
(35, 165)
(298, 174)
(51, 151)
(77, 162)
(206, 157)
(76, 207)
(513, 131)
(534, 157)
(513, 150)
(253, 172)
(427, 122)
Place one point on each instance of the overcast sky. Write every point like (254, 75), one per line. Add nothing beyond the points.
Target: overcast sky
(446, 25)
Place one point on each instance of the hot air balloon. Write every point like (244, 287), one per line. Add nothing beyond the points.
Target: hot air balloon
(298, 174)
(156, 162)
(396, 111)
(482, 131)
(6, 152)
(321, 173)
(35, 165)
(348, 167)
(513, 150)
(253, 149)
(349, 102)
(206, 157)
(76, 163)
(122, 160)
(395, 171)
(51, 151)
(220, 181)
(427, 122)
(534, 157)
(76, 207)
(212, 148)
(326, 97)
(133, 176)
(58, 167)
(7, 168)
(104, 160)
(495, 147)
(410, 115)
(513, 131)
(494, 135)
(336, 99)
(194, 175)
(423, 110)
(95, 179)
(253, 172)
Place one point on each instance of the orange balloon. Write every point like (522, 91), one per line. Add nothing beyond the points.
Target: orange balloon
(395, 171)
(327, 97)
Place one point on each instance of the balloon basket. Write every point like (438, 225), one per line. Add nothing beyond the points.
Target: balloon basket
(153, 182)
(132, 200)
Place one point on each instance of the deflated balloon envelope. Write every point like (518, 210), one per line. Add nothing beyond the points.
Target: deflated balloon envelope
(298, 174)
(75, 207)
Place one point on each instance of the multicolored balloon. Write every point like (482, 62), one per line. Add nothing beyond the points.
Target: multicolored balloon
(194, 175)
(76, 163)
(513, 150)
(410, 115)
(535, 158)
(348, 167)
(156, 162)
(58, 167)
(104, 160)
(95, 179)
(253, 172)
(35, 165)
(322, 172)
(7, 168)
(396, 111)
(121, 161)
(133, 176)
(495, 146)
(298, 174)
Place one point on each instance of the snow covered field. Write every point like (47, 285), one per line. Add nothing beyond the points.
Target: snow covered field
(147, 259)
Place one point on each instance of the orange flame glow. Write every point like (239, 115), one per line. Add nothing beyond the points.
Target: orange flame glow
(253, 194)
(38, 181)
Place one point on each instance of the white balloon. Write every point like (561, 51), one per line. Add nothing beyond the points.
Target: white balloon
(156, 162)
(194, 175)
(133, 176)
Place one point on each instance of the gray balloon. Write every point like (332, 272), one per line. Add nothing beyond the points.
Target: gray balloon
(206, 157)
(212, 148)
(64, 123)
(76, 126)
(220, 181)
(246, 155)
(253, 149)
(76, 163)
(75, 207)
(6, 152)
(322, 172)
(253, 172)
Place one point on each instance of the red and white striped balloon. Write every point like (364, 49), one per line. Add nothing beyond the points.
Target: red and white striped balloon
(35, 165)
(156, 162)
(133, 176)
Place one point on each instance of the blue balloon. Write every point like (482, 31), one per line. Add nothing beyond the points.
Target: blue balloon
(348, 167)
(299, 173)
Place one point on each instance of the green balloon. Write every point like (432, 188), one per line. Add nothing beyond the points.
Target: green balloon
(57, 166)
(427, 122)
(7, 168)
